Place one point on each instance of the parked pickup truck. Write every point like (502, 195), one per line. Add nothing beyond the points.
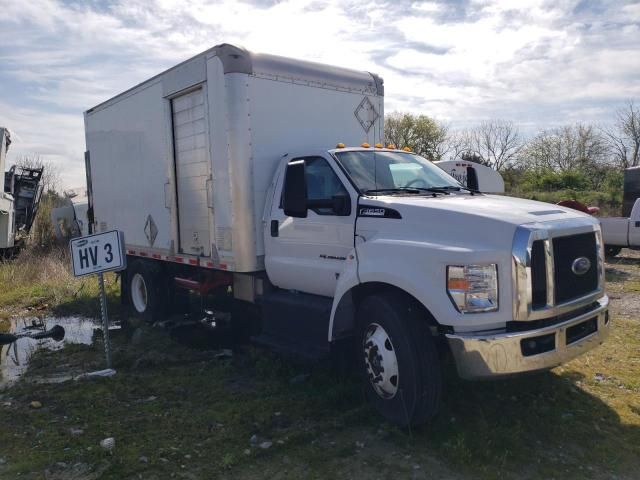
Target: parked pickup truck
(624, 232)
(265, 179)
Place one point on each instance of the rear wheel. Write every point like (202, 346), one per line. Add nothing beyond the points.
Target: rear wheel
(147, 292)
(399, 359)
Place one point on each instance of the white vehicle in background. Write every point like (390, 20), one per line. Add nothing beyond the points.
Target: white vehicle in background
(70, 220)
(226, 176)
(474, 175)
(624, 232)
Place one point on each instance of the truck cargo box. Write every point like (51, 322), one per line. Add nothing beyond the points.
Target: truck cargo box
(182, 162)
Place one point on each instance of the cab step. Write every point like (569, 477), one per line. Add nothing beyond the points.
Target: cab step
(296, 324)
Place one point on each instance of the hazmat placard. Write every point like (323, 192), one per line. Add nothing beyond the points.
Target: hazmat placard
(102, 252)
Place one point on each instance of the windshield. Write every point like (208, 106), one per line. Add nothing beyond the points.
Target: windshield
(386, 172)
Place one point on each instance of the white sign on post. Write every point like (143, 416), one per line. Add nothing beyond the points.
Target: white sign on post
(102, 252)
(99, 253)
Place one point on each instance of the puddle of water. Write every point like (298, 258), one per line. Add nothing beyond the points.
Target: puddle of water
(14, 358)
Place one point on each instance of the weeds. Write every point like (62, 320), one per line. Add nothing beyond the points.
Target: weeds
(41, 279)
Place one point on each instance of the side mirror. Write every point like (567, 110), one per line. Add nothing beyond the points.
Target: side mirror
(472, 179)
(341, 205)
(295, 190)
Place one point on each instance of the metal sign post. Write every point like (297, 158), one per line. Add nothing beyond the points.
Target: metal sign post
(105, 320)
(99, 253)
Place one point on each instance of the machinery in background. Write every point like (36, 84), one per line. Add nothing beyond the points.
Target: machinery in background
(19, 200)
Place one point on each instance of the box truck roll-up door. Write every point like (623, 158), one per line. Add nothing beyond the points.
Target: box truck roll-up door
(192, 172)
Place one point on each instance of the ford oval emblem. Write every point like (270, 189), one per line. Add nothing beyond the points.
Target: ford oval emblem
(581, 265)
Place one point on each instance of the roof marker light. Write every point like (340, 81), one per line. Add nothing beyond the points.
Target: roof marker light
(407, 149)
(365, 145)
(391, 146)
(340, 145)
(378, 145)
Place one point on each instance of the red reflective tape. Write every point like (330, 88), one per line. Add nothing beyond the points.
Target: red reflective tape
(179, 259)
(155, 255)
(210, 264)
(143, 254)
(223, 266)
(131, 252)
(193, 261)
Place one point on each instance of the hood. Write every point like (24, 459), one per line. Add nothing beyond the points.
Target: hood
(515, 211)
(460, 220)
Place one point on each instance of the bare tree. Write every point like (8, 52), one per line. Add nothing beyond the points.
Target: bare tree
(624, 136)
(566, 148)
(50, 176)
(496, 142)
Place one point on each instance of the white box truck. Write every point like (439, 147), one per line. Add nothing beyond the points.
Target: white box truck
(229, 172)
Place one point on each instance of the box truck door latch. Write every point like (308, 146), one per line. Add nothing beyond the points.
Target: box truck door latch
(275, 228)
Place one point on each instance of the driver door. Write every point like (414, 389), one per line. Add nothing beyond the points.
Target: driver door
(308, 254)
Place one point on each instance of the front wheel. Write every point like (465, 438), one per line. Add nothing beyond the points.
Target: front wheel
(399, 359)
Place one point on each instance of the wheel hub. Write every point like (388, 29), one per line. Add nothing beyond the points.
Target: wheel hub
(381, 361)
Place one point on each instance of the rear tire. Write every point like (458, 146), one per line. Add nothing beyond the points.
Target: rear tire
(611, 251)
(399, 359)
(147, 292)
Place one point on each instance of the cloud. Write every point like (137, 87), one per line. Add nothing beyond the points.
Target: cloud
(538, 62)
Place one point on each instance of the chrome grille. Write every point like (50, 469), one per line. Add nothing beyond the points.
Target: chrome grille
(543, 255)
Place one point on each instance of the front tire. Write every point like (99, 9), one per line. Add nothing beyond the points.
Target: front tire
(146, 292)
(399, 359)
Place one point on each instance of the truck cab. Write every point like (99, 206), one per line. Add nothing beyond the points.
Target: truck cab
(402, 251)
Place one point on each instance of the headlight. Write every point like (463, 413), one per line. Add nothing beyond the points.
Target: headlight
(473, 288)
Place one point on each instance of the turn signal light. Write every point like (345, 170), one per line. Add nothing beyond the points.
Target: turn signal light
(340, 145)
(365, 145)
(457, 284)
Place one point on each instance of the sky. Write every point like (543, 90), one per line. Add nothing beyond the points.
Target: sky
(538, 63)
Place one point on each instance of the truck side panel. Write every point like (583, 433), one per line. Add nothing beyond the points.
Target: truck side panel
(615, 230)
(130, 158)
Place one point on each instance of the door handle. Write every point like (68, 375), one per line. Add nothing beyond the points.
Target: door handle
(275, 228)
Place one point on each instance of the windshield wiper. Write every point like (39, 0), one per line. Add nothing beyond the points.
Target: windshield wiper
(457, 189)
(413, 190)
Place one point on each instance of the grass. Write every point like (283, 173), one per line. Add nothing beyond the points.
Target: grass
(191, 415)
(41, 280)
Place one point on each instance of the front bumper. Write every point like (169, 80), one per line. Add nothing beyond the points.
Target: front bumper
(493, 355)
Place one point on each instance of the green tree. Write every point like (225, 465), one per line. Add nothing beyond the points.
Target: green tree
(423, 134)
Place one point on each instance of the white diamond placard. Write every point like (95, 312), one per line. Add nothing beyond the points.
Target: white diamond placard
(366, 114)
